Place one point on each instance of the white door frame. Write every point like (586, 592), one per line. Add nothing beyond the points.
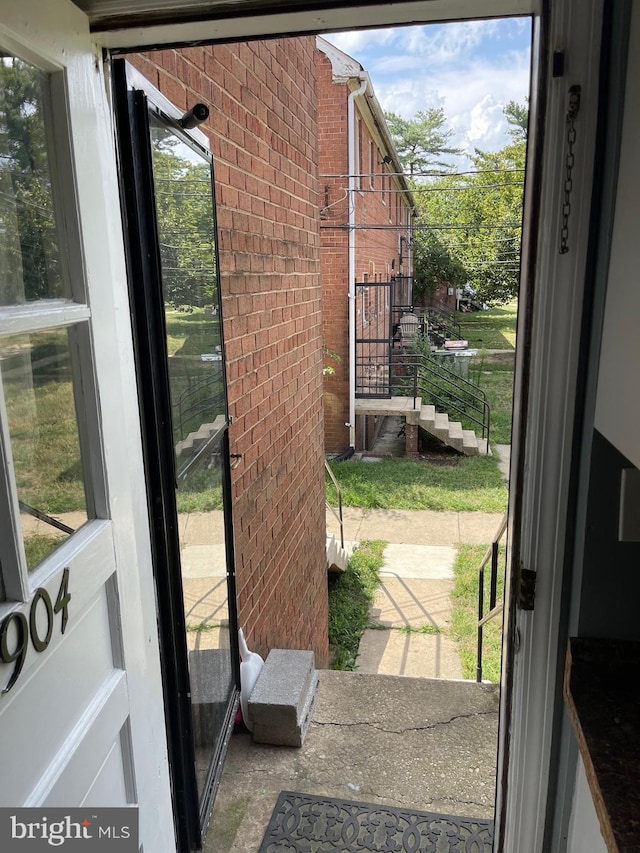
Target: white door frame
(541, 468)
(555, 347)
(55, 36)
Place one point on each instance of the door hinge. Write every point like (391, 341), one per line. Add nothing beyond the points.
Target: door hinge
(526, 588)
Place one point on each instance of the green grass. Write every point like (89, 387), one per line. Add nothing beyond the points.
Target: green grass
(464, 484)
(496, 380)
(350, 597)
(492, 329)
(427, 628)
(464, 617)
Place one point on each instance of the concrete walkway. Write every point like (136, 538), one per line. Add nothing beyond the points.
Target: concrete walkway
(411, 614)
(416, 527)
(381, 734)
(411, 742)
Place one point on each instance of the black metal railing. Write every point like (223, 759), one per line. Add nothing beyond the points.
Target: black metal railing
(440, 325)
(495, 607)
(337, 513)
(421, 376)
(203, 396)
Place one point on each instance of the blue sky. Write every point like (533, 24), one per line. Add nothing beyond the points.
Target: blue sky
(470, 69)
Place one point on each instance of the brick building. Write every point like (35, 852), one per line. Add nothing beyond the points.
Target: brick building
(366, 225)
(263, 133)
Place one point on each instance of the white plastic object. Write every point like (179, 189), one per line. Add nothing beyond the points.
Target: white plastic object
(250, 665)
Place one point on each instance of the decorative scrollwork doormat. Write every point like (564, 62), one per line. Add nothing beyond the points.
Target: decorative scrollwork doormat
(301, 823)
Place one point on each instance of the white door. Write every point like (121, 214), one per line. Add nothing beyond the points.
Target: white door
(81, 712)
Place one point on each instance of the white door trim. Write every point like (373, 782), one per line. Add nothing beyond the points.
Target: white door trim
(55, 36)
(575, 28)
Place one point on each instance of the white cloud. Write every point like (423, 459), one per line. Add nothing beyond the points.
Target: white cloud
(471, 69)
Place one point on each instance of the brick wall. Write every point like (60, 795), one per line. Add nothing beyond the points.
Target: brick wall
(378, 205)
(263, 132)
(333, 160)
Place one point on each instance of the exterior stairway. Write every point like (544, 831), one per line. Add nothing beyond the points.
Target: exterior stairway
(337, 557)
(194, 441)
(451, 433)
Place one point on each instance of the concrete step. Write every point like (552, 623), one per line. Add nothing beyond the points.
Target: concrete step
(470, 443)
(455, 438)
(196, 439)
(427, 414)
(337, 557)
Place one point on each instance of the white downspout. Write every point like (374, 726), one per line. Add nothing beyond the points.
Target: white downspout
(353, 166)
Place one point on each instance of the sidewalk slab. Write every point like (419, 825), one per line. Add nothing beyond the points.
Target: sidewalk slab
(400, 602)
(418, 527)
(418, 561)
(393, 652)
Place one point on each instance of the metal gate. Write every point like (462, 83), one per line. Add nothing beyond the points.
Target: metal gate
(379, 307)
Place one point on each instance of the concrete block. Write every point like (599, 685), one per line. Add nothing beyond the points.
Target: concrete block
(282, 700)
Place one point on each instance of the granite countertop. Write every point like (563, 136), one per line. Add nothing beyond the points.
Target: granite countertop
(602, 692)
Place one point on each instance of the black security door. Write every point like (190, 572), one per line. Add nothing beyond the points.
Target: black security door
(168, 207)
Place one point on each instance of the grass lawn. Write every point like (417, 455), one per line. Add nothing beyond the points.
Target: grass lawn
(496, 380)
(350, 597)
(463, 484)
(492, 329)
(464, 617)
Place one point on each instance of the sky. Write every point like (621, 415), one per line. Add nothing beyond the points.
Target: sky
(471, 69)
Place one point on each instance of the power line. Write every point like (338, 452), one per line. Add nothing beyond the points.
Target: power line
(447, 189)
(444, 227)
(424, 174)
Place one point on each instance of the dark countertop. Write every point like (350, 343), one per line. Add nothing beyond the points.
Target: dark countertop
(602, 692)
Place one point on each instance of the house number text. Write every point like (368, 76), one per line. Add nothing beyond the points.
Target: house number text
(28, 628)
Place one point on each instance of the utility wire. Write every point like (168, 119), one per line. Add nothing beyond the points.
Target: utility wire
(424, 174)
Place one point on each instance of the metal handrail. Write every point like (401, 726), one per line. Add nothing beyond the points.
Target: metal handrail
(495, 608)
(432, 316)
(337, 514)
(463, 397)
(193, 402)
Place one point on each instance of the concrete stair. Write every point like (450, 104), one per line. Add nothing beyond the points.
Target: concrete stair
(451, 433)
(337, 557)
(194, 441)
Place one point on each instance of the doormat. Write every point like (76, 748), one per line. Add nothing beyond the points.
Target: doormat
(301, 823)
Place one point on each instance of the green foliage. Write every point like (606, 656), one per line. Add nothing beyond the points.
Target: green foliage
(464, 617)
(473, 221)
(421, 141)
(517, 116)
(184, 209)
(350, 597)
(29, 256)
(434, 266)
(463, 484)
(327, 352)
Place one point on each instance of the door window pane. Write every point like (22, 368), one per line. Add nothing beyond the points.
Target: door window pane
(40, 398)
(187, 240)
(30, 266)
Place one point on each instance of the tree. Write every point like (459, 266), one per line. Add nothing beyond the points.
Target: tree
(434, 265)
(517, 116)
(184, 209)
(421, 141)
(29, 257)
(474, 220)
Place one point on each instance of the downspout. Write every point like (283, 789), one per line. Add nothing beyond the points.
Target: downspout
(353, 166)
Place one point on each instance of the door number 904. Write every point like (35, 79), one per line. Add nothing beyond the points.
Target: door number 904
(25, 628)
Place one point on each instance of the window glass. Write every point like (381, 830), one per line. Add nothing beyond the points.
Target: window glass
(40, 397)
(30, 266)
